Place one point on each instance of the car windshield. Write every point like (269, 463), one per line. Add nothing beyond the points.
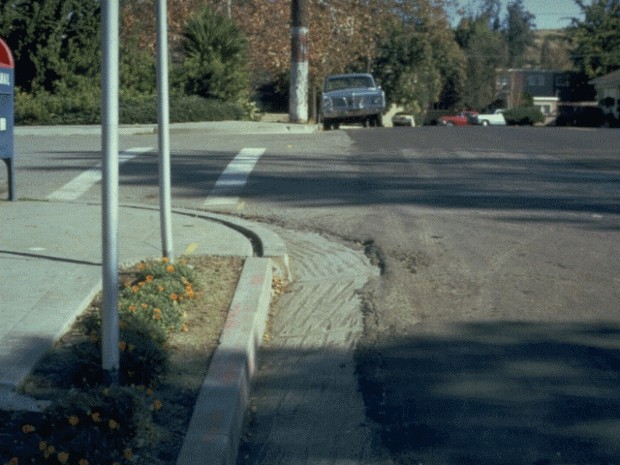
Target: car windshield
(348, 82)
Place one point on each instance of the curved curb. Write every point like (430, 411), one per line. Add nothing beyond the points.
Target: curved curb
(266, 243)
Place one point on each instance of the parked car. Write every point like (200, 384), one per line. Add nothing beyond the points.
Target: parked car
(351, 98)
(403, 118)
(490, 119)
(463, 118)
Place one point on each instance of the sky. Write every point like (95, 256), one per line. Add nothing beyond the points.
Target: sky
(550, 14)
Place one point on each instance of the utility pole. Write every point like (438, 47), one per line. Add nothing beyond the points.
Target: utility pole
(298, 100)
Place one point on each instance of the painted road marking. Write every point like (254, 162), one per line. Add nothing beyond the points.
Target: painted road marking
(234, 177)
(83, 182)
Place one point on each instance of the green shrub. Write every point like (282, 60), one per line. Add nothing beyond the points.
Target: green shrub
(84, 107)
(524, 116)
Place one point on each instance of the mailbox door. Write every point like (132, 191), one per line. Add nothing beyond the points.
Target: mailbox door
(6, 112)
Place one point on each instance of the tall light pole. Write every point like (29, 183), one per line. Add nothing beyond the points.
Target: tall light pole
(109, 135)
(298, 100)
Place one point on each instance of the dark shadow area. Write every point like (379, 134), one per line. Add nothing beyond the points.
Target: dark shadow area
(497, 393)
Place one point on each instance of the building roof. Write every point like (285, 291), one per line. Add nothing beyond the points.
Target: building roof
(610, 78)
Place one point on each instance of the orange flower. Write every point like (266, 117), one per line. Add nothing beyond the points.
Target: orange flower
(185, 329)
(128, 454)
(42, 445)
(149, 278)
(96, 417)
(63, 457)
(161, 288)
(165, 260)
(144, 306)
(13, 461)
(83, 462)
(174, 297)
(135, 289)
(49, 450)
(27, 428)
(157, 317)
(132, 308)
(170, 268)
(141, 266)
(122, 345)
(74, 420)
(158, 404)
(113, 424)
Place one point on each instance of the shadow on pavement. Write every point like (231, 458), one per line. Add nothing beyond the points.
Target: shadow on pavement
(497, 392)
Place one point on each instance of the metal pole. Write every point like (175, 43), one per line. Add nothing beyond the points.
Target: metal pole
(298, 103)
(109, 131)
(163, 116)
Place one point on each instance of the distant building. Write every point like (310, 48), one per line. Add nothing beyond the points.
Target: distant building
(547, 88)
(608, 95)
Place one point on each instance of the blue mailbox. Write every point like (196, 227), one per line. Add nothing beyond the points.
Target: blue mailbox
(7, 81)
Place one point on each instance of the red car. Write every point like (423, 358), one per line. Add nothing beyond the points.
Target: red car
(460, 119)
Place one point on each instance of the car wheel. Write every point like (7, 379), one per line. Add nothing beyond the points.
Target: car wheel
(485, 123)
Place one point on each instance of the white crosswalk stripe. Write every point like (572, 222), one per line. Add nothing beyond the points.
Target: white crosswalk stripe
(83, 182)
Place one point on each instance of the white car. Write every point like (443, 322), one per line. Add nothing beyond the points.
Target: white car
(403, 119)
(490, 119)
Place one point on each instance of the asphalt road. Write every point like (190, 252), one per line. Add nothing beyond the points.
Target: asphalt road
(492, 334)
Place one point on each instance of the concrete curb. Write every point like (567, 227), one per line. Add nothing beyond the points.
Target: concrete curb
(225, 127)
(266, 243)
(215, 428)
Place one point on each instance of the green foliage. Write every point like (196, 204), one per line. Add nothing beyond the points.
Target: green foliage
(96, 426)
(216, 57)
(486, 51)
(596, 39)
(54, 42)
(95, 423)
(418, 62)
(518, 32)
(84, 107)
(524, 116)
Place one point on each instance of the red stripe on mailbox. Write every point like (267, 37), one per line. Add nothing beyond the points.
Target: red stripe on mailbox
(6, 57)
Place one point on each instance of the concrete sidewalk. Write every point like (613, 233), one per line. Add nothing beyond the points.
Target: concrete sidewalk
(50, 269)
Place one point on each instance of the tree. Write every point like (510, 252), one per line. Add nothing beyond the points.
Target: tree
(55, 42)
(418, 61)
(518, 32)
(486, 51)
(216, 57)
(596, 39)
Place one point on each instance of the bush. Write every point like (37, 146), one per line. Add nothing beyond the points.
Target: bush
(524, 116)
(84, 107)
